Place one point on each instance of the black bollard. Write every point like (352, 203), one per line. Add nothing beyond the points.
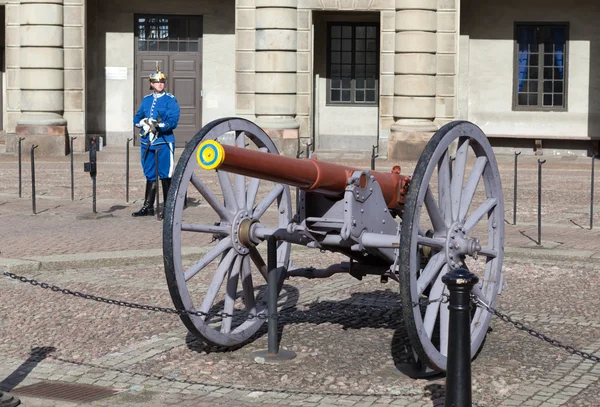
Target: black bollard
(273, 353)
(592, 195)
(374, 156)
(127, 171)
(33, 147)
(460, 282)
(20, 167)
(8, 400)
(72, 170)
(540, 162)
(515, 191)
(158, 213)
(308, 146)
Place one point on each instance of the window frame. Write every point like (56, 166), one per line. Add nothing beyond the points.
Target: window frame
(353, 102)
(540, 107)
(188, 19)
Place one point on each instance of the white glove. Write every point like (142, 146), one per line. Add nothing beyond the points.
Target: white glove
(145, 129)
(143, 122)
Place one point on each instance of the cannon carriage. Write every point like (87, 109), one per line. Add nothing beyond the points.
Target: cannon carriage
(411, 229)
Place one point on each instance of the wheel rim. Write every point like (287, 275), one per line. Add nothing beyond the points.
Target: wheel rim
(234, 258)
(451, 231)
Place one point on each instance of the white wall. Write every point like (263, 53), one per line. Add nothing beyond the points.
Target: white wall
(488, 55)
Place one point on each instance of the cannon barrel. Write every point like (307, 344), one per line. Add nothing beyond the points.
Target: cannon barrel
(307, 174)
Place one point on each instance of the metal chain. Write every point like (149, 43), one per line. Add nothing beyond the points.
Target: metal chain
(520, 326)
(263, 316)
(363, 310)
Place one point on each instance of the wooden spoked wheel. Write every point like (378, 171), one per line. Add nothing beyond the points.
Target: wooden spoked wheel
(453, 218)
(221, 282)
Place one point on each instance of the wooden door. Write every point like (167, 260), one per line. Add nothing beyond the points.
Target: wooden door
(175, 43)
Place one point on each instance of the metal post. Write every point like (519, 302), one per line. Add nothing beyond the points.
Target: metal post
(273, 343)
(592, 194)
(33, 147)
(93, 159)
(273, 353)
(374, 156)
(308, 145)
(72, 170)
(127, 171)
(157, 178)
(8, 400)
(540, 162)
(185, 199)
(458, 372)
(20, 168)
(515, 190)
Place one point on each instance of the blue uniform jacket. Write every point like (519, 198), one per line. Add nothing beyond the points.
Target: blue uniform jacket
(164, 108)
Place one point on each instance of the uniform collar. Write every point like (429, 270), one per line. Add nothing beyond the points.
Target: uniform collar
(158, 95)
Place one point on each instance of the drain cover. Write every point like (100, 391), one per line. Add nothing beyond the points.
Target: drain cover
(65, 391)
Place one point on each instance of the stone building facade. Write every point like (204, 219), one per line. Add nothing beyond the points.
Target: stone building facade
(78, 67)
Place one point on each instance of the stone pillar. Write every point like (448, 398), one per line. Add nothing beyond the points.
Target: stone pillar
(303, 77)
(74, 71)
(42, 76)
(415, 69)
(276, 67)
(13, 86)
(245, 46)
(447, 23)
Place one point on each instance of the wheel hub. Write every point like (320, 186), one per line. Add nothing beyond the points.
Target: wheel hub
(458, 245)
(241, 232)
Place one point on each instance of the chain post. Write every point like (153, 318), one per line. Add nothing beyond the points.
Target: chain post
(515, 190)
(20, 167)
(460, 282)
(33, 147)
(185, 199)
(592, 194)
(157, 177)
(93, 160)
(540, 162)
(273, 343)
(273, 353)
(72, 169)
(127, 170)
(374, 156)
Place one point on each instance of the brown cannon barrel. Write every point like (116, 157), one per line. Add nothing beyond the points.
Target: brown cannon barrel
(308, 174)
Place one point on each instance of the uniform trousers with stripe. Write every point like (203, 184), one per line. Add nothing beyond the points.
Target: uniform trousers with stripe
(166, 157)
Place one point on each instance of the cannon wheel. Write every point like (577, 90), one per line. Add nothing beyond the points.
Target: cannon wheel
(234, 256)
(463, 227)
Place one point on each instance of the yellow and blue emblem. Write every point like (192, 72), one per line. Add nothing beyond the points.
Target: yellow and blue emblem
(210, 155)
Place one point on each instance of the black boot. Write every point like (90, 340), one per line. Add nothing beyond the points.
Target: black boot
(148, 207)
(165, 184)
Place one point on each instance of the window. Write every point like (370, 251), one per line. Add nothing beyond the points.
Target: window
(168, 33)
(353, 63)
(541, 66)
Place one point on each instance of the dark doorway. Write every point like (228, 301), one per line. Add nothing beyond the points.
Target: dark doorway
(175, 44)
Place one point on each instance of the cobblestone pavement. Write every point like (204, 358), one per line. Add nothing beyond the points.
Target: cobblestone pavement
(346, 333)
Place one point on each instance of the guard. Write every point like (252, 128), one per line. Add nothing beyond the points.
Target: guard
(157, 117)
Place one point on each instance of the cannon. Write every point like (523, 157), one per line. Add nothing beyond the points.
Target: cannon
(411, 229)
